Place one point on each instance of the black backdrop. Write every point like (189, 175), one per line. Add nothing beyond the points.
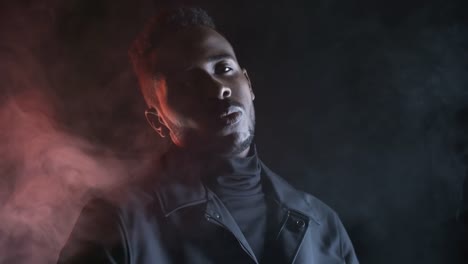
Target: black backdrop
(361, 103)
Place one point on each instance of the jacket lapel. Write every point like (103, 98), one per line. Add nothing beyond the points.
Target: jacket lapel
(292, 229)
(289, 216)
(217, 213)
(177, 195)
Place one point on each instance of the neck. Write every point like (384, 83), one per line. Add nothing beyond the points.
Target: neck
(209, 154)
(203, 158)
(244, 153)
(190, 164)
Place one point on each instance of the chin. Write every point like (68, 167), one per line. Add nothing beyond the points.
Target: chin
(230, 144)
(239, 144)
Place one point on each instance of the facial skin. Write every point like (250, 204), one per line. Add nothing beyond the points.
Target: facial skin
(201, 82)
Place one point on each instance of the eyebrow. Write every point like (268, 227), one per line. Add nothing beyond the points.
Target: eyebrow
(220, 57)
(216, 57)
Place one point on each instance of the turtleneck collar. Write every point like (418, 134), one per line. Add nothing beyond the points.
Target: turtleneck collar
(235, 176)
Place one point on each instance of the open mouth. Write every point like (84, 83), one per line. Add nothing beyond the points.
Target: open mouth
(231, 116)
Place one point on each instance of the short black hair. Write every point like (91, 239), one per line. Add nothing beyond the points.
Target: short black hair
(166, 21)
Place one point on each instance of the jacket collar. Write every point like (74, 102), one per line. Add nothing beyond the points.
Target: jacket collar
(174, 197)
(181, 188)
(289, 197)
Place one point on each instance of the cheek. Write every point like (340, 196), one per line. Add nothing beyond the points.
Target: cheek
(183, 104)
(252, 118)
(242, 90)
(176, 118)
(248, 121)
(173, 108)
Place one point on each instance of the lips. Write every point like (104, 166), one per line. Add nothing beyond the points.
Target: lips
(230, 116)
(231, 119)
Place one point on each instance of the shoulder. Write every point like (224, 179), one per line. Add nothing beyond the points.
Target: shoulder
(321, 211)
(102, 226)
(97, 226)
(105, 212)
(326, 228)
(298, 200)
(128, 202)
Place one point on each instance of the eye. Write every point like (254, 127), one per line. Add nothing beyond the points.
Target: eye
(223, 68)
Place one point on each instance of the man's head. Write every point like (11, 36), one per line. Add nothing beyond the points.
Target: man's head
(193, 84)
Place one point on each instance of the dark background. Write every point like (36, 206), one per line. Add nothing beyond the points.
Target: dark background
(362, 103)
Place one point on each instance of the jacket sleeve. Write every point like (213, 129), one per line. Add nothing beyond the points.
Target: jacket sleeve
(97, 237)
(346, 247)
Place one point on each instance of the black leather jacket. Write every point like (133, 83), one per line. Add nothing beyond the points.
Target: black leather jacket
(186, 223)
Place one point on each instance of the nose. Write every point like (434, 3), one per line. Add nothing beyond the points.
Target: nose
(224, 92)
(218, 89)
(211, 86)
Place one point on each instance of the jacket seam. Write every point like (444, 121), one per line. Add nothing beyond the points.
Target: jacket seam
(124, 234)
(340, 238)
(301, 240)
(311, 215)
(167, 213)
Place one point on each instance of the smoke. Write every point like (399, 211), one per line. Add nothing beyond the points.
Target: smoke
(56, 151)
(375, 88)
(371, 93)
(48, 174)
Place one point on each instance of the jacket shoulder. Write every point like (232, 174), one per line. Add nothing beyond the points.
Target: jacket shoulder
(96, 230)
(298, 200)
(326, 229)
(320, 209)
(100, 231)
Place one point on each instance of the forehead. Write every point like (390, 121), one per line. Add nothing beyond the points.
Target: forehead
(192, 46)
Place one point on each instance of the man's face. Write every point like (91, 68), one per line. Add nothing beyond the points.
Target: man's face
(205, 97)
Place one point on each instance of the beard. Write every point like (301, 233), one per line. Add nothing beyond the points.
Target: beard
(213, 145)
(242, 146)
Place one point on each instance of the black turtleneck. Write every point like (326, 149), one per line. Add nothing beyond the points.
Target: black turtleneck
(237, 182)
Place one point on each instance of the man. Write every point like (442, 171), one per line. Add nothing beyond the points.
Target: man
(212, 200)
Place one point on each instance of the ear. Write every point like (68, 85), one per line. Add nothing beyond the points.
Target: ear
(244, 71)
(153, 118)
